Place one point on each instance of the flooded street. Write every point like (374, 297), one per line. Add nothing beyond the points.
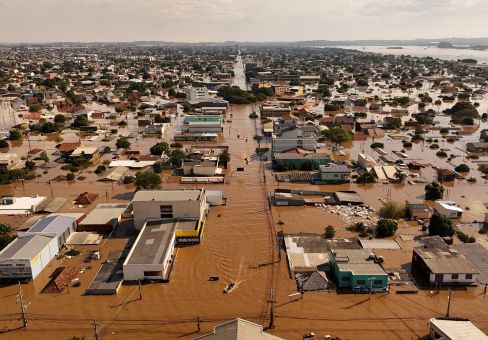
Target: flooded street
(240, 246)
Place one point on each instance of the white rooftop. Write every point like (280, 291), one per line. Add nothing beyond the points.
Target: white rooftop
(20, 205)
(459, 330)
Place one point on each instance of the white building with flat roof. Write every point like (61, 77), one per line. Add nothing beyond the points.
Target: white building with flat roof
(20, 205)
(151, 255)
(168, 204)
(448, 208)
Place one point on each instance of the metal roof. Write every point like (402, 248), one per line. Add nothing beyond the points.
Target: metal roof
(104, 214)
(25, 247)
(53, 224)
(356, 261)
(167, 195)
(379, 244)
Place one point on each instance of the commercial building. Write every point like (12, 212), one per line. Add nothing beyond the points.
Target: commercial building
(21, 205)
(60, 227)
(454, 329)
(169, 204)
(448, 208)
(238, 329)
(26, 256)
(439, 264)
(152, 254)
(293, 139)
(358, 268)
(197, 93)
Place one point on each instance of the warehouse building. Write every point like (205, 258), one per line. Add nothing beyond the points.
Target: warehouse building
(27, 256)
(60, 227)
(104, 218)
(152, 254)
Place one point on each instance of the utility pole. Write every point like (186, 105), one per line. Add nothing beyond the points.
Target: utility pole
(95, 329)
(140, 289)
(448, 303)
(23, 305)
(271, 316)
(198, 323)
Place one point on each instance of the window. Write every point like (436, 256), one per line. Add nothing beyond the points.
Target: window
(166, 211)
(469, 276)
(377, 282)
(361, 282)
(455, 276)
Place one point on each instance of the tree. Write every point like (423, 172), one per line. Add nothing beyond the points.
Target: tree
(101, 168)
(462, 168)
(60, 119)
(386, 228)
(337, 135)
(81, 120)
(434, 191)
(147, 180)
(400, 176)
(3, 144)
(158, 167)
(176, 157)
(48, 127)
(15, 134)
(224, 157)
(159, 148)
(366, 178)
(329, 232)
(122, 143)
(5, 228)
(440, 225)
(392, 210)
(70, 176)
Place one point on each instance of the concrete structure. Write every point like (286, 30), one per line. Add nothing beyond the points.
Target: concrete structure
(355, 268)
(197, 93)
(454, 329)
(152, 253)
(439, 264)
(10, 161)
(238, 329)
(160, 204)
(448, 208)
(26, 256)
(60, 227)
(335, 173)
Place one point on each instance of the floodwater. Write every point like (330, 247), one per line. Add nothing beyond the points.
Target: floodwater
(239, 246)
(427, 51)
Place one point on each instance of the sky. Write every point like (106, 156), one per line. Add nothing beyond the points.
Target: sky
(239, 20)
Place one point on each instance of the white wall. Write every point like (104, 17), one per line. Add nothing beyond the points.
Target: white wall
(447, 279)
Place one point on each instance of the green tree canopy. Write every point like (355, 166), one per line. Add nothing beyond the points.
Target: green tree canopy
(337, 135)
(434, 191)
(386, 228)
(159, 148)
(440, 225)
(147, 180)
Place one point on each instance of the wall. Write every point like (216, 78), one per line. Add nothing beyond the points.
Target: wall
(447, 279)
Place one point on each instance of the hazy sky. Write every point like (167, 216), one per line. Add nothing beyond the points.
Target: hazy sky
(240, 20)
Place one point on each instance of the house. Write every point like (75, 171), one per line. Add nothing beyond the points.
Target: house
(445, 175)
(155, 130)
(419, 211)
(358, 268)
(104, 218)
(335, 173)
(439, 264)
(65, 149)
(10, 161)
(448, 208)
(454, 329)
(293, 139)
(85, 198)
(89, 153)
(151, 256)
(238, 329)
(200, 168)
(169, 204)
(26, 256)
(477, 146)
(365, 161)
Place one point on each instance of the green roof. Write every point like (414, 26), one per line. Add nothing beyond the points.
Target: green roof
(213, 119)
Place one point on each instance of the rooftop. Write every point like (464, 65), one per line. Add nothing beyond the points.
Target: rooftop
(152, 243)
(25, 247)
(52, 224)
(459, 329)
(356, 261)
(167, 195)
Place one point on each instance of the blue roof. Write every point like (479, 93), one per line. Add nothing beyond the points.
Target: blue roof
(52, 224)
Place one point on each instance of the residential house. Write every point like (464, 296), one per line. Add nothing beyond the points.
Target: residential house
(419, 211)
(448, 208)
(293, 139)
(90, 154)
(10, 161)
(238, 329)
(335, 173)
